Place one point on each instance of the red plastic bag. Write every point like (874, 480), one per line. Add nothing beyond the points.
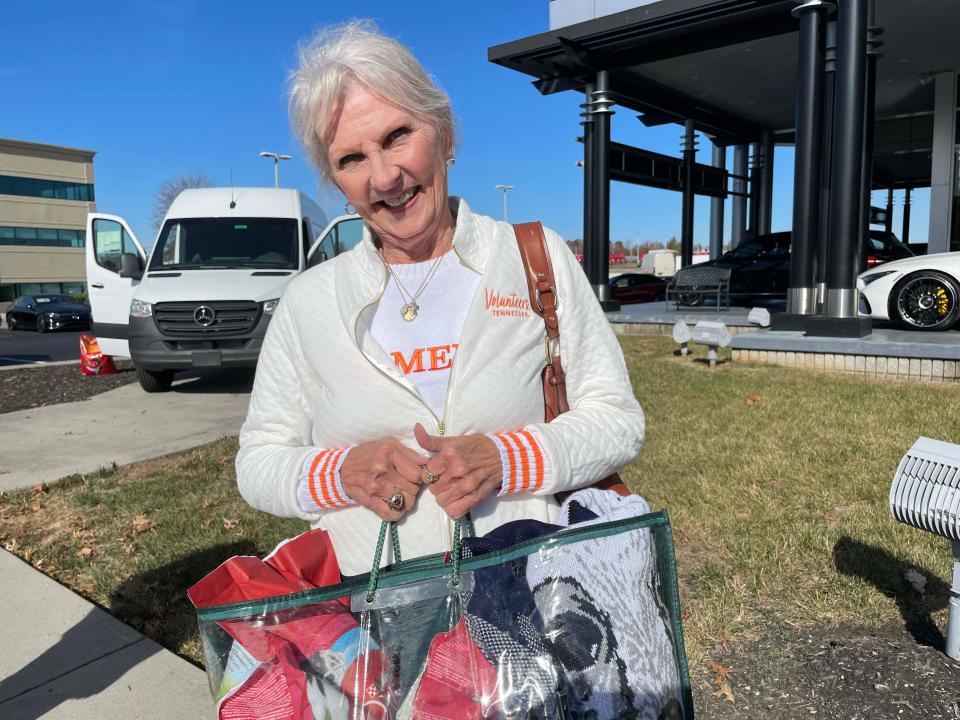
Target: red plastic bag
(285, 670)
(92, 360)
(306, 561)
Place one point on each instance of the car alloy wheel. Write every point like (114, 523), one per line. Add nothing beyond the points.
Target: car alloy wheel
(926, 300)
(11, 323)
(691, 299)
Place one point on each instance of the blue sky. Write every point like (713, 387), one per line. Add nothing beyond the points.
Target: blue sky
(160, 88)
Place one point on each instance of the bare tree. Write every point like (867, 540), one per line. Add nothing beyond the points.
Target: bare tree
(170, 188)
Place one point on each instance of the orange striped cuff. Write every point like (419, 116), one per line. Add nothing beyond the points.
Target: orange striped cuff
(320, 487)
(523, 460)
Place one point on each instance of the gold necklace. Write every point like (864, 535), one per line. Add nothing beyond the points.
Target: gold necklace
(410, 308)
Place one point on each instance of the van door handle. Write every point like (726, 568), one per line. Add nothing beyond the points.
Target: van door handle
(98, 286)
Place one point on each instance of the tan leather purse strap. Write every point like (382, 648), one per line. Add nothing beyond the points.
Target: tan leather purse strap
(540, 283)
(543, 300)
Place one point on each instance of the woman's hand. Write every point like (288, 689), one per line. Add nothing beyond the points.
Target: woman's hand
(373, 472)
(468, 469)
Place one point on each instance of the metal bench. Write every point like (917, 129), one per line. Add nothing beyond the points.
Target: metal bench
(692, 284)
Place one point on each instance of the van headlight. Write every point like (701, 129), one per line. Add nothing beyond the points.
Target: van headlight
(270, 305)
(140, 309)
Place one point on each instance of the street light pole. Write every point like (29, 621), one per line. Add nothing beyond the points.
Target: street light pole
(277, 157)
(505, 189)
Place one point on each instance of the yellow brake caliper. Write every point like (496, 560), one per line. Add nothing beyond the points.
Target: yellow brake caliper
(943, 301)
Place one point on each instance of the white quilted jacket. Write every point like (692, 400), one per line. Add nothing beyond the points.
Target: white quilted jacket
(324, 382)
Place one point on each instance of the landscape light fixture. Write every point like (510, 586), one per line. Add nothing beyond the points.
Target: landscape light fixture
(759, 316)
(681, 336)
(925, 494)
(712, 334)
(277, 157)
(505, 188)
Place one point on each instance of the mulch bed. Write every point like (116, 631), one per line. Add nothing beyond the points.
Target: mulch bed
(845, 673)
(54, 384)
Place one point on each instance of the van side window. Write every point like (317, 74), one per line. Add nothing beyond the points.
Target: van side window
(349, 233)
(325, 248)
(110, 240)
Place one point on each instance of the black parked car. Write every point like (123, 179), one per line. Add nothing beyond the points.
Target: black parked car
(43, 312)
(760, 267)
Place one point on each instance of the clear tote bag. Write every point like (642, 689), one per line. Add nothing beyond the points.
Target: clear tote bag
(529, 621)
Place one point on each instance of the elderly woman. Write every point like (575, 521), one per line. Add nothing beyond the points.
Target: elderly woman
(401, 380)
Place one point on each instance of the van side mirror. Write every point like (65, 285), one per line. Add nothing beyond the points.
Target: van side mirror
(318, 257)
(130, 266)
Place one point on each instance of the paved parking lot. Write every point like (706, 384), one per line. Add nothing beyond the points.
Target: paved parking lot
(120, 426)
(24, 347)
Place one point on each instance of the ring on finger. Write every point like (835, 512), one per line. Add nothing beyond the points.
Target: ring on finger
(432, 477)
(396, 501)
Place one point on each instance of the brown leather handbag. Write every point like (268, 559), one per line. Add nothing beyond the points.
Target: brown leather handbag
(543, 300)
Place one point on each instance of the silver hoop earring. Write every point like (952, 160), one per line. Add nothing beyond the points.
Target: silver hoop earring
(349, 209)
(451, 161)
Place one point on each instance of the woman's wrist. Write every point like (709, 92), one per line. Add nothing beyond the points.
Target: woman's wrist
(320, 486)
(524, 463)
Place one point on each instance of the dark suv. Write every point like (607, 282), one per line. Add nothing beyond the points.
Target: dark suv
(760, 267)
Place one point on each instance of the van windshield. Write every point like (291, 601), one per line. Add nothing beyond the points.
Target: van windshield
(216, 243)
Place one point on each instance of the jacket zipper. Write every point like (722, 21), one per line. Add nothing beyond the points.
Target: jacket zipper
(440, 422)
(441, 426)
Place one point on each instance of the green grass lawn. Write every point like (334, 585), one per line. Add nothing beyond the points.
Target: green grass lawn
(776, 481)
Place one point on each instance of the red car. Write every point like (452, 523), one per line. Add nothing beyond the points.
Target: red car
(637, 288)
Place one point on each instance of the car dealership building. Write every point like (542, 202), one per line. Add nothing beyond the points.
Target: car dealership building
(46, 192)
(865, 91)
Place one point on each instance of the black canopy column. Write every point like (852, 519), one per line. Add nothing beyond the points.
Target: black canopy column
(846, 180)
(716, 206)
(596, 251)
(753, 219)
(905, 231)
(888, 222)
(826, 161)
(765, 198)
(802, 293)
(738, 206)
(869, 105)
(588, 173)
(689, 196)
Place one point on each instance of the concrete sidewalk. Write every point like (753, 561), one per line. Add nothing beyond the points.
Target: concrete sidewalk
(62, 657)
(65, 659)
(120, 426)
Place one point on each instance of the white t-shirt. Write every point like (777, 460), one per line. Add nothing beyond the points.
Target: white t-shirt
(424, 348)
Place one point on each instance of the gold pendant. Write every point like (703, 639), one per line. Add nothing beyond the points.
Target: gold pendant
(409, 312)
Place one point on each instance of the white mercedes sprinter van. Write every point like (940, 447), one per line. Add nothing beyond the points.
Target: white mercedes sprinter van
(206, 294)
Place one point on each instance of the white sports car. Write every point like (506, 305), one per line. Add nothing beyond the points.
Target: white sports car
(917, 293)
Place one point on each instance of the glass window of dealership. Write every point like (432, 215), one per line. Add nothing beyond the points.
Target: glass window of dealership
(46, 192)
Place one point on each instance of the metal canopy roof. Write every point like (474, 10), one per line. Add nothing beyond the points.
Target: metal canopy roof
(730, 65)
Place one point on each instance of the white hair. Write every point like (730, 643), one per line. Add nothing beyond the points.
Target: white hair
(337, 57)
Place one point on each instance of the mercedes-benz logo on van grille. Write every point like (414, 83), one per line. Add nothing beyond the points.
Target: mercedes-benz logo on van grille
(204, 316)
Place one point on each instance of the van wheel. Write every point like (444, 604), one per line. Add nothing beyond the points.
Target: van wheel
(154, 381)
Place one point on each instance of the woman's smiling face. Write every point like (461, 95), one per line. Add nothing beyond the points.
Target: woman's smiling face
(391, 166)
